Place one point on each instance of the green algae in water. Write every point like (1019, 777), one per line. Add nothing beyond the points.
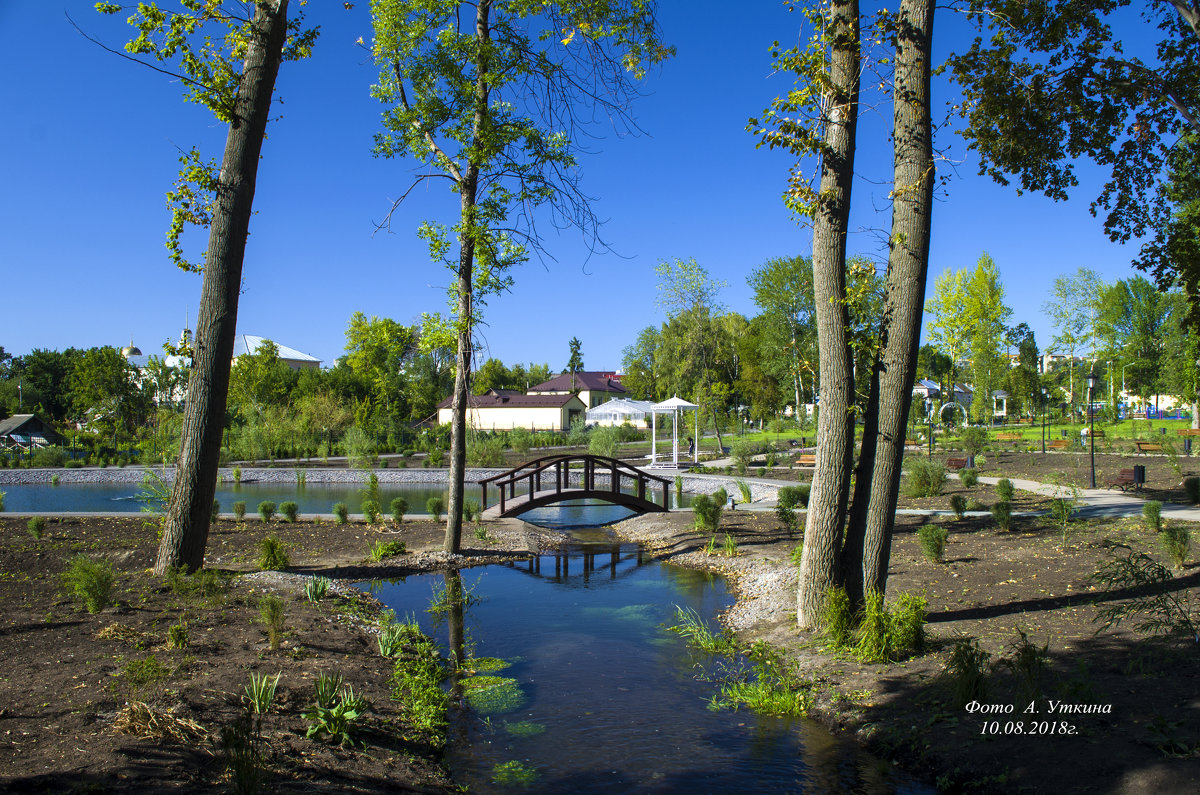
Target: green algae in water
(485, 665)
(524, 728)
(514, 774)
(493, 695)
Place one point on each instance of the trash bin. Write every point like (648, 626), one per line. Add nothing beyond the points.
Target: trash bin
(1187, 445)
(1139, 474)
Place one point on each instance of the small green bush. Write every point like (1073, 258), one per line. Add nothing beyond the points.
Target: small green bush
(435, 506)
(290, 510)
(925, 478)
(958, 504)
(266, 510)
(272, 612)
(471, 509)
(969, 478)
(871, 637)
(1191, 487)
(399, 507)
(1002, 513)
(1004, 490)
(1152, 513)
(786, 517)
(708, 509)
(341, 513)
(794, 496)
(239, 510)
(272, 554)
(932, 538)
(1176, 542)
(966, 672)
(91, 581)
(370, 511)
(387, 549)
(45, 457)
(36, 526)
(216, 512)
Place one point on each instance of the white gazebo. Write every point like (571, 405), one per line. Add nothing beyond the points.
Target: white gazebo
(619, 411)
(673, 407)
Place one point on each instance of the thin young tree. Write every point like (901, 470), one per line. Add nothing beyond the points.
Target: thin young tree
(490, 96)
(222, 200)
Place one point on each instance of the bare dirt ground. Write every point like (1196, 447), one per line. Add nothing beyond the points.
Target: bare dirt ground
(1139, 730)
(68, 673)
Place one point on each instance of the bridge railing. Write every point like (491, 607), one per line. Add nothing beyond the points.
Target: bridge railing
(532, 472)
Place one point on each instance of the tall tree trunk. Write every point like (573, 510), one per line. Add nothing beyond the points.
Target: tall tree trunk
(468, 188)
(835, 423)
(869, 538)
(185, 530)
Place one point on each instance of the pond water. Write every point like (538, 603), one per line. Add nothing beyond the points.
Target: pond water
(312, 498)
(606, 699)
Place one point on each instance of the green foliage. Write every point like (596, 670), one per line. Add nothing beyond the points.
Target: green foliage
(36, 526)
(1152, 513)
(578, 435)
(708, 509)
(797, 554)
(272, 554)
(370, 511)
(239, 510)
(290, 511)
(46, 457)
(272, 614)
(774, 689)
(794, 496)
(484, 450)
(1002, 513)
(520, 440)
(435, 506)
(966, 672)
(908, 624)
(1176, 542)
(1004, 490)
(266, 510)
(317, 588)
(871, 636)
(1159, 606)
(837, 618)
(333, 717)
(969, 478)
(215, 516)
(691, 626)
(91, 581)
(470, 509)
(399, 507)
(177, 636)
(341, 513)
(1027, 661)
(139, 675)
(523, 729)
(604, 441)
(786, 517)
(924, 477)
(744, 490)
(933, 541)
(387, 549)
(973, 439)
(260, 693)
(958, 504)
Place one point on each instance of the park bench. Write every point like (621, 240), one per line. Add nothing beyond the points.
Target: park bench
(1124, 479)
(1058, 444)
(806, 459)
(1148, 447)
(1188, 432)
(956, 463)
(912, 443)
(1013, 437)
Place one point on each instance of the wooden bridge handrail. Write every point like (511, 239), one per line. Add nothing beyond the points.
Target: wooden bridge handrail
(542, 464)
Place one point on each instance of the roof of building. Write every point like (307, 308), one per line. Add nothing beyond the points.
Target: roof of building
(578, 382)
(245, 344)
(499, 400)
(13, 423)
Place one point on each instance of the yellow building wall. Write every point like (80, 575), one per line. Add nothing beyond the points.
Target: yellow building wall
(506, 418)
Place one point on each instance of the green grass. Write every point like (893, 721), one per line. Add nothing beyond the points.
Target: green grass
(689, 624)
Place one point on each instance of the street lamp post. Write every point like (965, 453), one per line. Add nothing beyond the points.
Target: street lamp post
(1091, 382)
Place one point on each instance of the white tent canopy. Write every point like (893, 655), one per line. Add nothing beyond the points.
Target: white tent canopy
(673, 406)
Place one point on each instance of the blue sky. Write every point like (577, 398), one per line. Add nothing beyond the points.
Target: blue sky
(91, 143)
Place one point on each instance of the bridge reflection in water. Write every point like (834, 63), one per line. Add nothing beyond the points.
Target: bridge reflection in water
(580, 564)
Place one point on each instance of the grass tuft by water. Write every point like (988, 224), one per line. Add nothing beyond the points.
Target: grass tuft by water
(690, 625)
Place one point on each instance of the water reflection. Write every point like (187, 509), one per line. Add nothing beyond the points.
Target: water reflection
(603, 698)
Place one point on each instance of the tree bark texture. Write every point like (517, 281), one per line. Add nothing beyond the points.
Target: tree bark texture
(468, 193)
(869, 538)
(189, 511)
(835, 423)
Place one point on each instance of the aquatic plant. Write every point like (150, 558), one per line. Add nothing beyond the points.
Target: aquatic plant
(524, 728)
(690, 625)
(493, 695)
(514, 774)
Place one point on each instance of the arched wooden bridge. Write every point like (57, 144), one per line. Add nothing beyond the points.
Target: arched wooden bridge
(549, 480)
